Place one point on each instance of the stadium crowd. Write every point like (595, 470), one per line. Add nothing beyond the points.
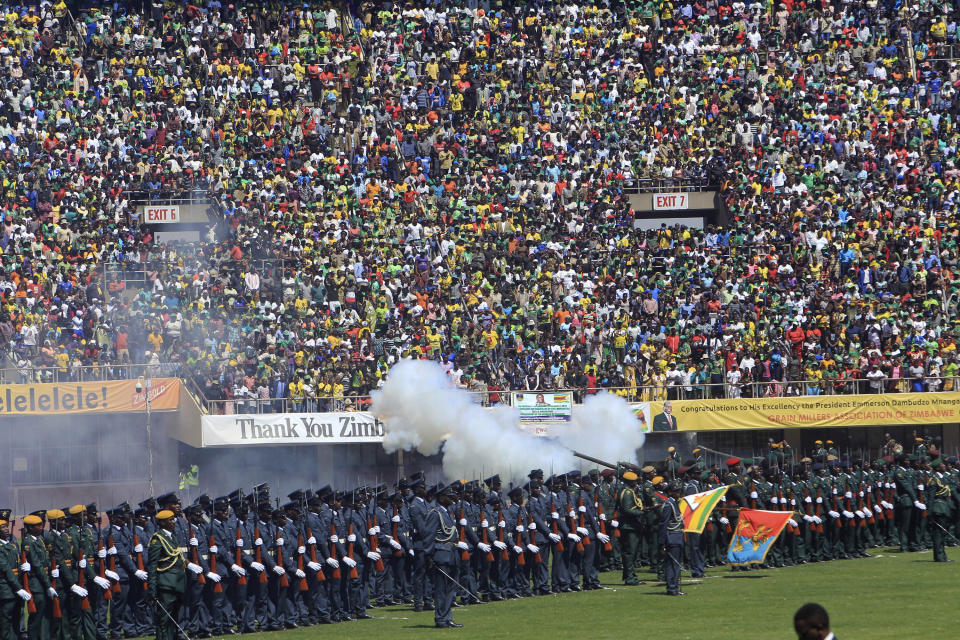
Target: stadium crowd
(451, 182)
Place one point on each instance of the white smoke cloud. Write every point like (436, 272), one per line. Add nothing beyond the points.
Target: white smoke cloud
(422, 410)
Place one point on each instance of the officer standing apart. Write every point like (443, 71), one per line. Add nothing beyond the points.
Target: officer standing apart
(440, 547)
(671, 539)
(167, 580)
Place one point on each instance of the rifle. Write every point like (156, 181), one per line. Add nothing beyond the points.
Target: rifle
(303, 581)
(819, 509)
(195, 555)
(25, 575)
(237, 556)
(521, 560)
(582, 521)
(573, 527)
(333, 550)
(101, 570)
(283, 579)
(553, 525)
(396, 532)
(503, 553)
(923, 494)
(353, 570)
(82, 574)
(484, 538)
(56, 613)
(532, 528)
(259, 553)
(115, 587)
(136, 543)
(603, 526)
(213, 564)
(313, 556)
(464, 554)
(373, 544)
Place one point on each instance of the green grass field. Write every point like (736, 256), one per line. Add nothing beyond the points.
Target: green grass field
(891, 595)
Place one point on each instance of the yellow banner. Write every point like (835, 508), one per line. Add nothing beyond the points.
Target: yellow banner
(810, 411)
(87, 397)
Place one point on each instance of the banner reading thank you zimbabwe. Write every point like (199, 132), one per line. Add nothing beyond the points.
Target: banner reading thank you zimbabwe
(809, 411)
(107, 396)
(290, 428)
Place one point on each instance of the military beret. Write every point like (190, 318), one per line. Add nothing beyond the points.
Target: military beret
(649, 469)
(630, 475)
(55, 514)
(671, 449)
(732, 462)
(933, 463)
(166, 514)
(32, 519)
(76, 509)
(697, 450)
(606, 473)
(818, 442)
(657, 481)
(806, 460)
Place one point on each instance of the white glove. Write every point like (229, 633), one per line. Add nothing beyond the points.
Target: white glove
(101, 553)
(533, 548)
(333, 563)
(555, 515)
(921, 506)
(79, 591)
(848, 495)
(573, 537)
(300, 574)
(517, 549)
(462, 522)
(395, 519)
(239, 543)
(350, 562)
(859, 513)
(256, 566)
(113, 575)
(877, 508)
(818, 519)
(410, 551)
(869, 489)
(112, 551)
(774, 500)
(519, 528)
(724, 521)
(532, 526)
(214, 549)
(277, 569)
(334, 539)
(395, 544)
(583, 531)
(52, 592)
(352, 538)
(920, 487)
(484, 523)
(500, 545)
(614, 524)
(483, 547)
(197, 569)
(582, 509)
(301, 550)
(371, 531)
(55, 573)
(138, 548)
(258, 542)
(502, 524)
(603, 538)
(194, 542)
(463, 545)
(376, 529)
(279, 542)
(723, 498)
(23, 593)
(819, 500)
(237, 569)
(808, 500)
(143, 575)
(753, 494)
(793, 522)
(572, 514)
(602, 516)
(807, 518)
(861, 494)
(212, 575)
(373, 555)
(25, 566)
(103, 583)
(554, 537)
(833, 491)
(833, 514)
(314, 566)
(793, 502)
(311, 540)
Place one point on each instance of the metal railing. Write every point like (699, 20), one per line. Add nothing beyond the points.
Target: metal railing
(87, 373)
(660, 185)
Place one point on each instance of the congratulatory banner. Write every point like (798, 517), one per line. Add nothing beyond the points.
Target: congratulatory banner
(291, 428)
(87, 397)
(811, 411)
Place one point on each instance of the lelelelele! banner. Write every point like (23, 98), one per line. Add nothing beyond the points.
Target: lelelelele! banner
(809, 411)
(110, 396)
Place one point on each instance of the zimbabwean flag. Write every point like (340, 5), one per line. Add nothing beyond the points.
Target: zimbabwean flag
(696, 508)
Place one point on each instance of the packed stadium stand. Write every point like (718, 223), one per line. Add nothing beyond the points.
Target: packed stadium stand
(452, 181)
